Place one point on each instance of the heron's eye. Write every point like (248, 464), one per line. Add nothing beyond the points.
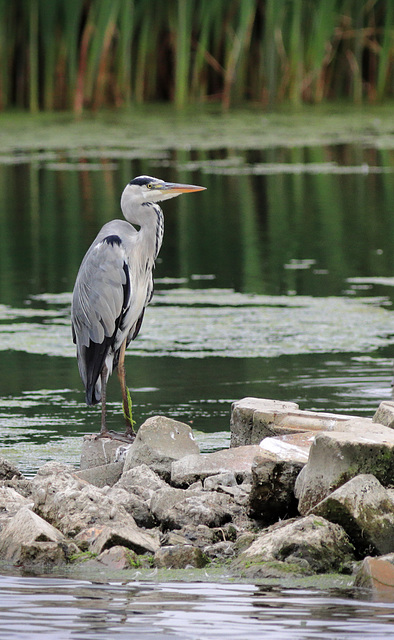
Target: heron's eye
(150, 186)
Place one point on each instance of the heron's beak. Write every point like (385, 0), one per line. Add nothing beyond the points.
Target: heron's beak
(176, 188)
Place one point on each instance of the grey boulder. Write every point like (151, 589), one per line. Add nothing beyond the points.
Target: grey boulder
(312, 543)
(365, 509)
(159, 442)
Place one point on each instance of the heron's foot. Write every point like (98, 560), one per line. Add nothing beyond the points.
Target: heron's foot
(113, 435)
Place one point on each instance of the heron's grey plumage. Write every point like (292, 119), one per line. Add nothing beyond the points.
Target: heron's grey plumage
(115, 282)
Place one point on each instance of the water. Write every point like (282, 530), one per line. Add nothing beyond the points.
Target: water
(56, 608)
(275, 282)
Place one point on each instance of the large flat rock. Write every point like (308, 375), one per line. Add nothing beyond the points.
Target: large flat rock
(253, 419)
(198, 467)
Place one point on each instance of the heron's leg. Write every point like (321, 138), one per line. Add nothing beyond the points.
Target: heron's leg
(104, 430)
(125, 392)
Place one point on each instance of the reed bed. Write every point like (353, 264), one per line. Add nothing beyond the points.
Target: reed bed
(85, 54)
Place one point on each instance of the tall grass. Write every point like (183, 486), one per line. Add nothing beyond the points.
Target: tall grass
(84, 54)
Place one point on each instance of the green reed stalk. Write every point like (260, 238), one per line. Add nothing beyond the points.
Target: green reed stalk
(70, 48)
(33, 55)
(235, 77)
(386, 53)
(273, 20)
(123, 62)
(185, 12)
(47, 28)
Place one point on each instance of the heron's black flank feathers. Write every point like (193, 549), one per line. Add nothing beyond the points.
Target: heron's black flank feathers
(94, 356)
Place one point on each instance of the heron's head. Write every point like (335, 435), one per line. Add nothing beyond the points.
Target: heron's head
(147, 189)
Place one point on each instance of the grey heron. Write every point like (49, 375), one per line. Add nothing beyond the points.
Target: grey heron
(113, 287)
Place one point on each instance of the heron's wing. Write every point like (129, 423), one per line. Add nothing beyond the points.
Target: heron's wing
(101, 295)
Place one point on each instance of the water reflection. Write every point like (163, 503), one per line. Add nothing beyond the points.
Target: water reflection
(244, 229)
(31, 607)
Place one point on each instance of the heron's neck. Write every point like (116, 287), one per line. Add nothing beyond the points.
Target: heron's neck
(149, 217)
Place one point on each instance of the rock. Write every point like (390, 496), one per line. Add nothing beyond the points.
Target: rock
(385, 414)
(272, 493)
(118, 558)
(158, 443)
(99, 451)
(227, 479)
(45, 554)
(175, 508)
(199, 535)
(242, 424)
(141, 481)
(180, 557)
(220, 551)
(365, 510)
(253, 419)
(25, 530)
(134, 491)
(173, 538)
(290, 448)
(8, 471)
(312, 543)
(10, 503)
(377, 574)
(337, 457)
(103, 475)
(125, 535)
(21, 485)
(72, 504)
(236, 460)
(134, 505)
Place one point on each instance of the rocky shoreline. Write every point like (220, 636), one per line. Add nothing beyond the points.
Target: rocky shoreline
(298, 493)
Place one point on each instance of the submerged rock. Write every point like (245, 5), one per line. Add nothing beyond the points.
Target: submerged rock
(158, 443)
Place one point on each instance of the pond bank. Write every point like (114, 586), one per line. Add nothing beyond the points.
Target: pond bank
(312, 499)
